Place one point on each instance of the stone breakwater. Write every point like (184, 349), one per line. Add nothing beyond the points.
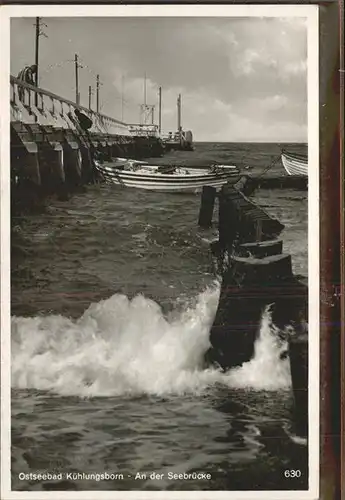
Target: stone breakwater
(53, 152)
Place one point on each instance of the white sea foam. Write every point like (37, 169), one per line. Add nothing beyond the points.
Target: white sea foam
(266, 369)
(121, 346)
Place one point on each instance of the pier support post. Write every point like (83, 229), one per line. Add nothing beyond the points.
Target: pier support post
(59, 162)
(33, 168)
(50, 156)
(117, 150)
(51, 160)
(208, 197)
(24, 154)
(26, 192)
(73, 163)
(87, 164)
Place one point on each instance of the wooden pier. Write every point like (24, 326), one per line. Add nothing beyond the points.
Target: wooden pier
(51, 152)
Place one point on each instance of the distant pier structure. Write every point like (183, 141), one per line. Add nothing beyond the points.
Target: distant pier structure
(181, 140)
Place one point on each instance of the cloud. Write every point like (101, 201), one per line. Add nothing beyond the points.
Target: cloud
(296, 68)
(276, 102)
(239, 77)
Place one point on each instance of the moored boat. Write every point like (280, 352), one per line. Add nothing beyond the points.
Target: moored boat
(166, 178)
(295, 164)
(191, 169)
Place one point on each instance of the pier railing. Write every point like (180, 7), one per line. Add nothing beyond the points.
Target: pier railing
(143, 130)
(30, 104)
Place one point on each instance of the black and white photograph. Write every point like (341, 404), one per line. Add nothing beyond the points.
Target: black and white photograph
(159, 232)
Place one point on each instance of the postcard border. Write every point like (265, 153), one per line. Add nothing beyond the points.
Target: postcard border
(310, 11)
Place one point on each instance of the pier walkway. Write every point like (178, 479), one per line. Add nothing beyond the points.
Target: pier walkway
(51, 149)
(30, 104)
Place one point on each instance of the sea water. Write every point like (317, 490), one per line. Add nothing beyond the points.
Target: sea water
(113, 298)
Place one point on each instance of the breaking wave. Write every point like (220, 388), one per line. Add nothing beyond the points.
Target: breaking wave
(126, 347)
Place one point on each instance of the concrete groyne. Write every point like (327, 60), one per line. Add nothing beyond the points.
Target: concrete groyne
(280, 182)
(256, 274)
(51, 152)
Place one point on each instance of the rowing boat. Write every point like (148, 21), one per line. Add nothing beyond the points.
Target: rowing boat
(295, 164)
(166, 178)
(124, 162)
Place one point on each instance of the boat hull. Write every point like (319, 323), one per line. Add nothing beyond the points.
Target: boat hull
(194, 170)
(155, 181)
(295, 165)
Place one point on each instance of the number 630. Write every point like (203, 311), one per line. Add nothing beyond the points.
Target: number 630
(292, 473)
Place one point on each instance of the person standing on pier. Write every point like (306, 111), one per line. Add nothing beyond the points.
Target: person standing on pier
(85, 123)
(27, 75)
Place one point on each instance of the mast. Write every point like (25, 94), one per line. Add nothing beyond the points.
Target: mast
(37, 47)
(77, 96)
(179, 114)
(90, 91)
(122, 96)
(97, 93)
(145, 90)
(146, 110)
(36, 54)
(160, 110)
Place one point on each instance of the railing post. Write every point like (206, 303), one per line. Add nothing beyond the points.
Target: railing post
(24, 94)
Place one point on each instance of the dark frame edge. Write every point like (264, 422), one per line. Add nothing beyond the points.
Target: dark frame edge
(342, 246)
(331, 185)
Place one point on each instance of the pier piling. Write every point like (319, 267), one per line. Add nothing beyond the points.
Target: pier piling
(207, 206)
(49, 147)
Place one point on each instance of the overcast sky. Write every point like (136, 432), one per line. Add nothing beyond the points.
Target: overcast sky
(241, 79)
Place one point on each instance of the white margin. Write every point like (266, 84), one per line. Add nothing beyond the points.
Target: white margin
(311, 13)
(313, 252)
